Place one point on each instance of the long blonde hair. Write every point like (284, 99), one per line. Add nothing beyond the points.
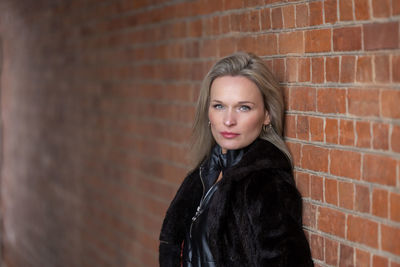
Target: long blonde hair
(253, 68)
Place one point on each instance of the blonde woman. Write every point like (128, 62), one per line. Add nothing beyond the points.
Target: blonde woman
(239, 206)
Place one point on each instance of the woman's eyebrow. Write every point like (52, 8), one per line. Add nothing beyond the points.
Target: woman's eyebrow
(240, 102)
(246, 102)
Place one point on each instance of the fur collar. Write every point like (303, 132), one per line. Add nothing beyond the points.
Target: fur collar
(261, 155)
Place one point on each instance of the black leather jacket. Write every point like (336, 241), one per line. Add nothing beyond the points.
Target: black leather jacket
(196, 251)
(254, 216)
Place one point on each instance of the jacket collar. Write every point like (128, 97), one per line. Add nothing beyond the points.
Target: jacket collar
(261, 155)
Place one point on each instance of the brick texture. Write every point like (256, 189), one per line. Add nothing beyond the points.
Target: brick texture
(97, 101)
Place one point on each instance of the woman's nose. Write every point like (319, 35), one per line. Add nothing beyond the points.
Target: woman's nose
(229, 119)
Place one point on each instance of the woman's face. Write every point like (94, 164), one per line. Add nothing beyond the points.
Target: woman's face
(236, 112)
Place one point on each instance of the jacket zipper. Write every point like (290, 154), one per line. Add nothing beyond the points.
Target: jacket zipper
(201, 201)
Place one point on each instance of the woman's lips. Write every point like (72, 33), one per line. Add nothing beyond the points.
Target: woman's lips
(229, 135)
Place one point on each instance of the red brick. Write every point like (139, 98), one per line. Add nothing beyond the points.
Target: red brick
(232, 4)
(235, 20)
(381, 35)
(318, 70)
(345, 10)
(381, 8)
(279, 68)
(364, 69)
(357, 228)
(266, 44)
(303, 183)
(331, 221)
(361, 9)
(316, 129)
(245, 24)
(295, 151)
(396, 68)
(225, 22)
(331, 131)
(265, 19)
(390, 239)
(347, 69)
(381, 67)
(395, 138)
(251, 3)
(276, 18)
(346, 132)
(302, 99)
(363, 132)
(395, 7)
(331, 252)
(291, 42)
(291, 70)
(212, 26)
(346, 195)
(345, 163)
(268, 63)
(347, 39)
(317, 247)
(318, 40)
(379, 261)
(315, 13)
(290, 126)
(380, 201)
(246, 42)
(394, 264)
(288, 16)
(363, 102)
(191, 50)
(314, 158)
(380, 136)
(346, 255)
(331, 191)
(395, 207)
(379, 169)
(331, 100)
(363, 258)
(195, 28)
(254, 21)
(317, 188)
(302, 128)
(227, 46)
(332, 69)
(330, 8)
(304, 69)
(362, 202)
(309, 215)
(302, 15)
(208, 48)
(390, 103)
(286, 95)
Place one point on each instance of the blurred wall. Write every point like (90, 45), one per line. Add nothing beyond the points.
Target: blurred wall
(97, 100)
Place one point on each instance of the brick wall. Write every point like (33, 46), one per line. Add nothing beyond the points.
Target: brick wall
(97, 104)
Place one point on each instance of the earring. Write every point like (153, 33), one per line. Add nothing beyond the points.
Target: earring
(267, 127)
(209, 123)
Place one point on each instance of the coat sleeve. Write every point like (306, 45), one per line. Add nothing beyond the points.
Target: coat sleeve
(273, 207)
(177, 219)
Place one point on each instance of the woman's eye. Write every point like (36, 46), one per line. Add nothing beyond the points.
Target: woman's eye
(217, 106)
(244, 108)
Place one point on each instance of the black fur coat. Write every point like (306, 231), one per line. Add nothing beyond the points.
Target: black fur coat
(254, 218)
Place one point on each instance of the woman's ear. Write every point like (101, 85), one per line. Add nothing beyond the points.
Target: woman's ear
(267, 118)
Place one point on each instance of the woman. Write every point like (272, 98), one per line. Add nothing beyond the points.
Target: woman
(239, 206)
